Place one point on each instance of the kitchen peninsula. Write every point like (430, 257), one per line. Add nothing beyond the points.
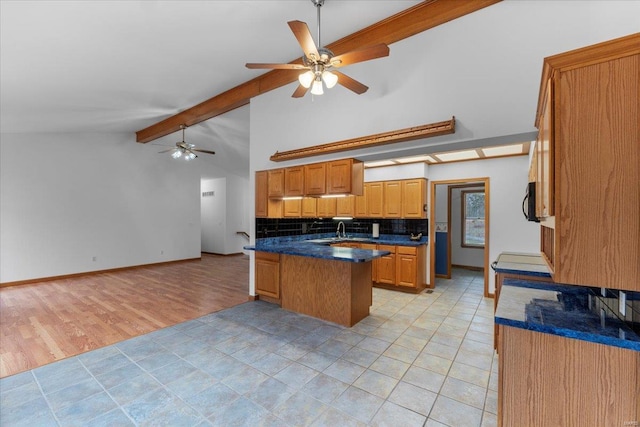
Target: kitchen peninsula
(317, 278)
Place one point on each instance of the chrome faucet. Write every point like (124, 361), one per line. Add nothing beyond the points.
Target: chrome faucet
(344, 233)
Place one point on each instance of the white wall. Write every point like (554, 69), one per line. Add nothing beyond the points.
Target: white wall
(483, 68)
(390, 173)
(67, 198)
(239, 216)
(508, 177)
(468, 257)
(224, 214)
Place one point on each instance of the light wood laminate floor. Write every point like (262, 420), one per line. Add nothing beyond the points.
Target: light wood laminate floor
(48, 321)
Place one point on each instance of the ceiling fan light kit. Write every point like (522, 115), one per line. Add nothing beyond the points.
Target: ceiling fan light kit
(185, 150)
(318, 61)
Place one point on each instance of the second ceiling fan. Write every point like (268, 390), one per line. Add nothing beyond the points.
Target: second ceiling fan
(320, 63)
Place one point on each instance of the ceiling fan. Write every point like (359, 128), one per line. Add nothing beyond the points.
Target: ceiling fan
(319, 62)
(185, 150)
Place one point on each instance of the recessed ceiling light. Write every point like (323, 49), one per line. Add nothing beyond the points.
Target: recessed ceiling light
(416, 159)
(503, 150)
(379, 163)
(457, 155)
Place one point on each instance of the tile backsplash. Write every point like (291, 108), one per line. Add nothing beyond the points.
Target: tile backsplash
(268, 227)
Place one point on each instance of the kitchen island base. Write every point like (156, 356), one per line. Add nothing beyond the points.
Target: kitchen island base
(339, 292)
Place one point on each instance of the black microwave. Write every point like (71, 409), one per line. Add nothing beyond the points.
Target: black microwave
(529, 203)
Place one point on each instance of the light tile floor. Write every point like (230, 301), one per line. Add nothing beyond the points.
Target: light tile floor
(418, 360)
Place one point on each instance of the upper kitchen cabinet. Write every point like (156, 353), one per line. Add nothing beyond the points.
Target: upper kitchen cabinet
(309, 208)
(588, 164)
(326, 207)
(266, 207)
(392, 197)
(414, 195)
(276, 183)
(374, 199)
(345, 206)
(345, 177)
(294, 181)
(315, 179)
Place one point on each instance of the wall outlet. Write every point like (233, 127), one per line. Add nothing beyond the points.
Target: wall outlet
(622, 303)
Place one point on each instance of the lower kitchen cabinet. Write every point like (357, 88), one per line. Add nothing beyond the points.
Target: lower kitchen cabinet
(404, 269)
(550, 380)
(406, 266)
(267, 272)
(387, 266)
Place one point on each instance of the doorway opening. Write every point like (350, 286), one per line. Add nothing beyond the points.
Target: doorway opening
(459, 227)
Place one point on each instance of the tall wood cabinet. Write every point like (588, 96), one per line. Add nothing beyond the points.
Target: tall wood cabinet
(549, 380)
(588, 164)
(265, 206)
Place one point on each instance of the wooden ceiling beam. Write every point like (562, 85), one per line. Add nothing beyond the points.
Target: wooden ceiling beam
(416, 19)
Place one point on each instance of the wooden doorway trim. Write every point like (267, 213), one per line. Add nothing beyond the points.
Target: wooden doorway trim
(432, 226)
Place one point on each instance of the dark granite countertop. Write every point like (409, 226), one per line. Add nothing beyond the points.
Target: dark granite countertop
(576, 312)
(521, 263)
(318, 246)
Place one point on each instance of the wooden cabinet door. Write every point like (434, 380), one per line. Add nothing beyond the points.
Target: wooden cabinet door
(326, 207)
(387, 266)
(406, 266)
(315, 179)
(266, 207)
(339, 176)
(414, 195)
(276, 182)
(345, 206)
(262, 196)
(294, 181)
(293, 208)
(392, 196)
(309, 209)
(374, 263)
(360, 205)
(374, 195)
(268, 274)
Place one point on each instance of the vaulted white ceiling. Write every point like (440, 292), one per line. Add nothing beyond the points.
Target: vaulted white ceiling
(120, 66)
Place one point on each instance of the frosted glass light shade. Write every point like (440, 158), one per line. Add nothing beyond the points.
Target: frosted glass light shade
(329, 78)
(317, 87)
(176, 154)
(306, 78)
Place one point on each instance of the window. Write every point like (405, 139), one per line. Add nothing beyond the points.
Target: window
(473, 219)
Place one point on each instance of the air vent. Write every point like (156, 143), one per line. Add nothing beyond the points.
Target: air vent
(208, 193)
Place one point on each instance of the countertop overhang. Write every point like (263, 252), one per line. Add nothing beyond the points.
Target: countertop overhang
(565, 310)
(521, 263)
(320, 246)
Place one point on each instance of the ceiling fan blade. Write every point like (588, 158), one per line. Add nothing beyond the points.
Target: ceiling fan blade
(300, 91)
(203, 151)
(360, 55)
(302, 33)
(276, 66)
(166, 151)
(350, 83)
